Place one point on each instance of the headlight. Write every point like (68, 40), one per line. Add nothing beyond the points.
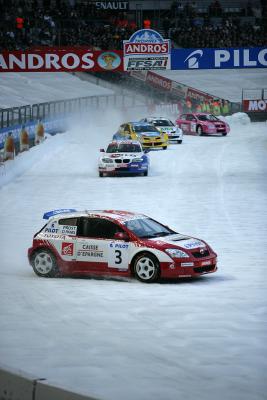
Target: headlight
(107, 160)
(137, 160)
(176, 253)
(210, 126)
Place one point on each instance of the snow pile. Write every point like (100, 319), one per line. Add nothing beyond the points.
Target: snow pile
(237, 119)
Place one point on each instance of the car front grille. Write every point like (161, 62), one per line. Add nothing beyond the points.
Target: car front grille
(120, 161)
(206, 268)
(200, 254)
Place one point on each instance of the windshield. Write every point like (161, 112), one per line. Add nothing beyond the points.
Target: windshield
(147, 228)
(145, 128)
(162, 122)
(207, 117)
(124, 148)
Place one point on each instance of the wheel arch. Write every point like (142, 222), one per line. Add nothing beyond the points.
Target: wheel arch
(136, 255)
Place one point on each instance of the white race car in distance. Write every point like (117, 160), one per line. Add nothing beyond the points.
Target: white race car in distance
(123, 157)
(165, 125)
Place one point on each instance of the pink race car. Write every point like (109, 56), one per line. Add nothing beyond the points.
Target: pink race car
(202, 124)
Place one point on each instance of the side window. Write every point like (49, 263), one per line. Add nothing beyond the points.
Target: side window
(98, 228)
(68, 221)
(68, 226)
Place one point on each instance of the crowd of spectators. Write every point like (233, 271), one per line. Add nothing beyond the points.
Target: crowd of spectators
(72, 23)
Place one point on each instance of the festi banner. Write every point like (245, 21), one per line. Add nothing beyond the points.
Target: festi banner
(60, 60)
(146, 50)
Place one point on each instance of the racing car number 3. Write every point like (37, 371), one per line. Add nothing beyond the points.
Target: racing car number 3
(118, 256)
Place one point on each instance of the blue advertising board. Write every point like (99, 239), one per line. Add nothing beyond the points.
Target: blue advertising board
(219, 58)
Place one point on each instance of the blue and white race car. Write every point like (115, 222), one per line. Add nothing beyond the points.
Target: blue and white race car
(123, 157)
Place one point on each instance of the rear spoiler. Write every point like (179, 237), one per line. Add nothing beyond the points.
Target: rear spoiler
(50, 214)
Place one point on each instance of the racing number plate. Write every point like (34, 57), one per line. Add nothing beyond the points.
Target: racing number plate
(118, 255)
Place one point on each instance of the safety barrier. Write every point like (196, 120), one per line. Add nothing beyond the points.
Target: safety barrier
(24, 114)
(17, 385)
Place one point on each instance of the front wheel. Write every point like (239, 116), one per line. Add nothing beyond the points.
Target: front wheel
(101, 174)
(224, 134)
(44, 263)
(164, 147)
(146, 268)
(199, 131)
(179, 141)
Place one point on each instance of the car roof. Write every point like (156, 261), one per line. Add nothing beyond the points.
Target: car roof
(118, 215)
(140, 123)
(158, 118)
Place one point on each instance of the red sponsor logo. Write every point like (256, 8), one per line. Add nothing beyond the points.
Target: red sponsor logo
(146, 48)
(67, 249)
(53, 60)
(158, 81)
(198, 95)
(255, 105)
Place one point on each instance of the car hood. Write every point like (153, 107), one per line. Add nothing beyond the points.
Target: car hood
(123, 155)
(149, 134)
(166, 128)
(179, 241)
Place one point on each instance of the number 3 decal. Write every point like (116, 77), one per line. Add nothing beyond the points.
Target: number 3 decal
(118, 259)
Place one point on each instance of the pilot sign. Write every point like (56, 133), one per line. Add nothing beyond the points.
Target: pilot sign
(146, 50)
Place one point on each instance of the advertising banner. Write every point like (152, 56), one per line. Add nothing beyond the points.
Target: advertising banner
(198, 95)
(259, 105)
(158, 81)
(60, 60)
(219, 58)
(112, 5)
(146, 50)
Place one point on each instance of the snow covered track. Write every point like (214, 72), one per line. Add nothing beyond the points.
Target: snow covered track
(120, 339)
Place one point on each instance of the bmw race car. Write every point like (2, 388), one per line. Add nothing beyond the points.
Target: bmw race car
(165, 125)
(202, 123)
(116, 243)
(149, 136)
(123, 157)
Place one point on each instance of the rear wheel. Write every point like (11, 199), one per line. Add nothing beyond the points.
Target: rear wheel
(146, 268)
(44, 263)
(224, 134)
(179, 141)
(145, 173)
(199, 130)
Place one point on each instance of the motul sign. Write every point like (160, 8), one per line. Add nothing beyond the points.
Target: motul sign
(255, 105)
(146, 48)
(58, 60)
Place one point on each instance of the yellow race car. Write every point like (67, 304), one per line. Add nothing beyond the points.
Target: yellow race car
(147, 134)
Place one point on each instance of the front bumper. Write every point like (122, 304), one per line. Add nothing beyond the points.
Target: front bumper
(187, 269)
(124, 169)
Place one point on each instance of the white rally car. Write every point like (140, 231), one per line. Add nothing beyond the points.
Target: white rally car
(165, 125)
(123, 157)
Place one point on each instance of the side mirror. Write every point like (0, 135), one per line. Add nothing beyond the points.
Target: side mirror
(122, 236)
(102, 151)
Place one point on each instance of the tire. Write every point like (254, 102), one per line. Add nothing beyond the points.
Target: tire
(164, 147)
(145, 173)
(146, 268)
(44, 263)
(101, 174)
(179, 141)
(199, 131)
(224, 134)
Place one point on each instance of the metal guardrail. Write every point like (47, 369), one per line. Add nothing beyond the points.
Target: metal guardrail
(24, 114)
